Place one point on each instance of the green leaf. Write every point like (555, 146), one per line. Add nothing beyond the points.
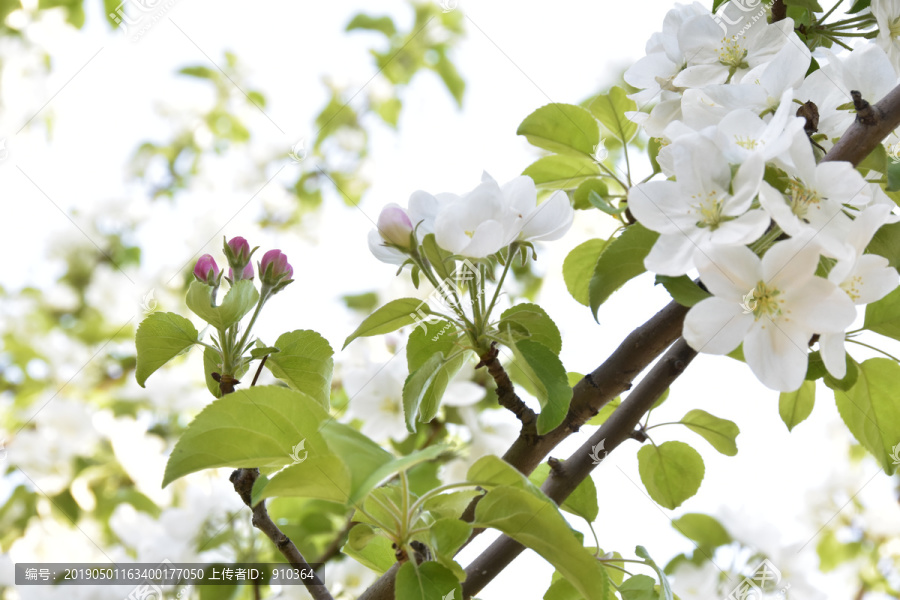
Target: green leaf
(683, 289)
(416, 386)
(883, 316)
(441, 260)
(604, 413)
(363, 21)
(261, 351)
(598, 201)
(622, 260)
(562, 128)
(639, 587)
(849, 379)
(304, 362)
(365, 302)
(582, 502)
(324, 477)
(255, 427)
(794, 407)
(703, 529)
(581, 196)
(374, 551)
(449, 74)
(610, 110)
(886, 242)
(434, 340)
(240, 299)
(390, 317)
(427, 581)
(212, 363)
(361, 455)
(665, 590)
(396, 465)
(579, 266)
(720, 433)
(535, 521)
(653, 148)
(877, 160)
(533, 321)
(160, 338)
(561, 589)
(871, 411)
(858, 6)
(562, 171)
(671, 472)
(547, 374)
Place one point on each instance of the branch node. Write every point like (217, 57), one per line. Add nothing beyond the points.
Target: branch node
(866, 114)
(556, 466)
(639, 434)
(590, 379)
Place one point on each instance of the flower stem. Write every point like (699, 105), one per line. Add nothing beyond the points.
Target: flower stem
(894, 358)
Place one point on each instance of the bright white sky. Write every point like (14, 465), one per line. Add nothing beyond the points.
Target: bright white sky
(104, 95)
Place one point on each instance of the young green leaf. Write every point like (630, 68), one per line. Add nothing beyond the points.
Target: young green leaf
(534, 322)
(416, 386)
(427, 581)
(582, 502)
(579, 266)
(562, 171)
(622, 260)
(304, 362)
(703, 529)
(610, 109)
(683, 289)
(240, 300)
(871, 411)
(883, 316)
(374, 551)
(671, 472)
(639, 587)
(390, 317)
(720, 433)
(562, 128)
(543, 369)
(794, 407)
(395, 466)
(255, 427)
(161, 337)
(324, 477)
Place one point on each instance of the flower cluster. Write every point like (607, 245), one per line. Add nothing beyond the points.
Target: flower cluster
(274, 270)
(474, 225)
(777, 236)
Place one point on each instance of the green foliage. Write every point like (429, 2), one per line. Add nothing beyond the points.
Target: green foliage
(671, 472)
(683, 289)
(582, 502)
(562, 171)
(369, 548)
(588, 188)
(543, 369)
(427, 581)
(886, 241)
(883, 316)
(534, 521)
(871, 411)
(304, 362)
(610, 109)
(160, 338)
(720, 433)
(562, 128)
(530, 321)
(706, 531)
(390, 317)
(794, 407)
(579, 266)
(639, 587)
(240, 300)
(622, 261)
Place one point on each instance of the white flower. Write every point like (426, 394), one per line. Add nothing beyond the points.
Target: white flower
(814, 200)
(375, 392)
(887, 14)
(693, 582)
(394, 223)
(864, 277)
(742, 132)
(788, 305)
(698, 211)
(528, 221)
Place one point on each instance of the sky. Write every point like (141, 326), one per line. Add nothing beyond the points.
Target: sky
(106, 93)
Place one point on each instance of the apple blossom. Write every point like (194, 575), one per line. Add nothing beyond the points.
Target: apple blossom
(773, 305)
(206, 270)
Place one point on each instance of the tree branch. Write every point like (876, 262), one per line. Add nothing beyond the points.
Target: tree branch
(243, 480)
(872, 125)
(779, 11)
(506, 393)
(569, 474)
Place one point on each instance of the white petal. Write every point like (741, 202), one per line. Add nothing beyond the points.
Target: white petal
(729, 272)
(716, 326)
(746, 229)
(487, 239)
(671, 255)
(392, 256)
(660, 206)
(778, 356)
(550, 220)
(831, 347)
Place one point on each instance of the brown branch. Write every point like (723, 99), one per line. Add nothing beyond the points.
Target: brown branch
(243, 480)
(568, 474)
(873, 124)
(779, 11)
(506, 393)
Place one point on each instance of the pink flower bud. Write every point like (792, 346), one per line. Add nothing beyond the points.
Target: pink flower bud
(206, 270)
(240, 249)
(394, 225)
(274, 268)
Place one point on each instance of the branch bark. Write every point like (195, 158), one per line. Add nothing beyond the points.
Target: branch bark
(867, 133)
(779, 11)
(569, 474)
(506, 393)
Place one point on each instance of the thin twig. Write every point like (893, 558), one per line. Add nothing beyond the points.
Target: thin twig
(506, 393)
